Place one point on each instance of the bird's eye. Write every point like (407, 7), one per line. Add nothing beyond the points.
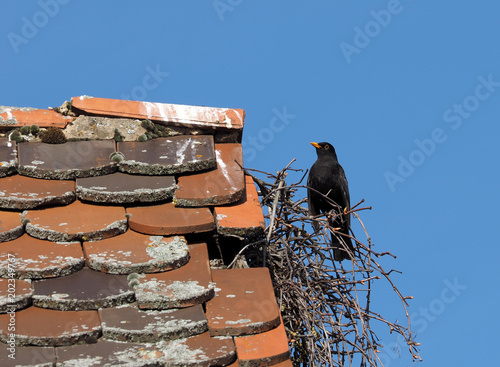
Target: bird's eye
(327, 147)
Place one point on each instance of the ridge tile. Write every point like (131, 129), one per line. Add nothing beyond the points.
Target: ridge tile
(244, 302)
(123, 188)
(8, 157)
(76, 221)
(167, 156)
(66, 161)
(36, 326)
(21, 192)
(182, 287)
(128, 323)
(167, 219)
(243, 218)
(179, 115)
(224, 185)
(84, 290)
(19, 116)
(31, 258)
(15, 294)
(134, 252)
(264, 349)
(11, 226)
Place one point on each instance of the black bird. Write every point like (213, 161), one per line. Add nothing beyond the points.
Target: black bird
(328, 178)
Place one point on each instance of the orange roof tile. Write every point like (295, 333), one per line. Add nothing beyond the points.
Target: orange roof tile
(14, 116)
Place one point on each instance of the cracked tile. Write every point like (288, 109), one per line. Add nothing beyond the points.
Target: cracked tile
(123, 188)
(167, 156)
(30, 258)
(21, 192)
(134, 252)
(16, 116)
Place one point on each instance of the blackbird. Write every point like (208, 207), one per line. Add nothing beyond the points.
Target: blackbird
(327, 177)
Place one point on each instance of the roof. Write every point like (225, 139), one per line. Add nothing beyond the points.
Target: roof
(107, 240)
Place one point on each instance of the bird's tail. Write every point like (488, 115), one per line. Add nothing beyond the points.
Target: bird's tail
(342, 244)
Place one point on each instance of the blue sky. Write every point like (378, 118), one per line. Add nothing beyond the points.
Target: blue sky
(407, 91)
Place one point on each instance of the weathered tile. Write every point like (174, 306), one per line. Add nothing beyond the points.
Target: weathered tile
(21, 116)
(8, 157)
(186, 286)
(42, 327)
(224, 185)
(66, 161)
(200, 350)
(11, 226)
(30, 258)
(166, 156)
(134, 252)
(123, 188)
(27, 356)
(14, 294)
(128, 323)
(84, 290)
(167, 219)
(264, 349)
(190, 116)
(243, 218)
(244, 302)
(21, 192)
(76, 221)
(103, 128)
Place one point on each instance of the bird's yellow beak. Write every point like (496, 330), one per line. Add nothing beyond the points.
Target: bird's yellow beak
(316, 145)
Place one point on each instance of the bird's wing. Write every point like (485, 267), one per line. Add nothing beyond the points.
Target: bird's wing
(344, 187)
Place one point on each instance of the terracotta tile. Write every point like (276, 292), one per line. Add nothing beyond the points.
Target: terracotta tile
(42, 327)
(21, 192)
(66, 161)
(31, 258)
(14, 294)
(128, 323)
(224, 185)
(28, 356)
(200, 350)
(244, 218)
(166, 156)
(76, 221)
(133, 252)
(122, 188)
(15, 116)
(166, 219)
(190, 116)
(186, 286)
(11, 226)
(8, 157)
(244, 302)
(84, 290)
(265, 349)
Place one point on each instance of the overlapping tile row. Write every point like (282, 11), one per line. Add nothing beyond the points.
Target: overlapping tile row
(104, 246)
